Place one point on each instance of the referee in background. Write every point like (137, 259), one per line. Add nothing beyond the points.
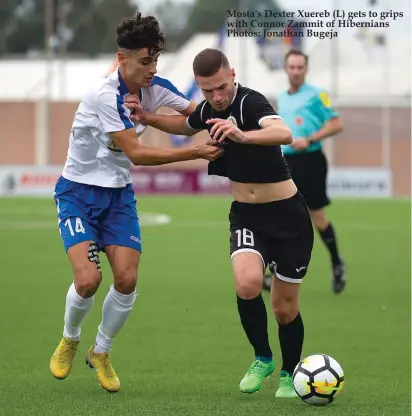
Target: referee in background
(307, 111)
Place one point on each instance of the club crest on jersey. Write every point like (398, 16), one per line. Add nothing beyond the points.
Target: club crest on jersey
(114, 146)
(232, 120)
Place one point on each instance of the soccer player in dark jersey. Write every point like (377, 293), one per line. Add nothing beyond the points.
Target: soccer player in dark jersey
(307, 111)
(270, 223)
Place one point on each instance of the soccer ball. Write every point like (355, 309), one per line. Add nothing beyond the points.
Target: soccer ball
(317, 379)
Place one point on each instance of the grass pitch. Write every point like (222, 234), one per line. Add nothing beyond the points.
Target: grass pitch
(183, 351)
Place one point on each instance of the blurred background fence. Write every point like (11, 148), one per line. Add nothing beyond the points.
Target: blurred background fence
(51, 50)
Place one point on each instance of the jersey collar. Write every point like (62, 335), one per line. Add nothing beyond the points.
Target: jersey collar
(122, 85)
(297, 91)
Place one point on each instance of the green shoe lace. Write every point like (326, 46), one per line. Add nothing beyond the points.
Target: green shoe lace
(286, 380)
(258, 367)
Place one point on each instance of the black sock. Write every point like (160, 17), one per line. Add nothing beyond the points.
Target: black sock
(254, 320)
(291, 342)
(329, 238)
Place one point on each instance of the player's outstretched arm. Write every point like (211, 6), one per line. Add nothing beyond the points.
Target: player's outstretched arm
(115, 119)
(140, 154)
(173, 124)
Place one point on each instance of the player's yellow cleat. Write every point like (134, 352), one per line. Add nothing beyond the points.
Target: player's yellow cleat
(106, 376)
(62, 359)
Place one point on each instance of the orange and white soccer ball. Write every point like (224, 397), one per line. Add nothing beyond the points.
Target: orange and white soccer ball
(318, 379)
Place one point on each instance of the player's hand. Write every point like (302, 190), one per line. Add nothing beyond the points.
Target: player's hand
(223, 129)
(133, 103)
(209, 150)
(300, 143)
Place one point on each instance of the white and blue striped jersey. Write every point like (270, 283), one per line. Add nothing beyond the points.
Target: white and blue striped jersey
(93, 158)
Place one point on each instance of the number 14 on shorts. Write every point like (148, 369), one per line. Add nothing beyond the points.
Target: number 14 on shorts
(78, 226)
(74, 230)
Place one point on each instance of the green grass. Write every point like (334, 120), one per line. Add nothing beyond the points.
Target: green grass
(183, 351)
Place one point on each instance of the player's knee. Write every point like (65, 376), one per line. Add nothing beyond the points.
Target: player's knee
(125, 280)
(285, 315)
(248, 286)
(87, 281)
(319, 219)
(285, 310)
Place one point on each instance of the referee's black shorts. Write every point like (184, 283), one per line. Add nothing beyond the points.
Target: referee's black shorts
(309, 172)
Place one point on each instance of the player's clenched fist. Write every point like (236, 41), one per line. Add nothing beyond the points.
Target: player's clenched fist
(209, 150)
(223, 129)
(133, 103)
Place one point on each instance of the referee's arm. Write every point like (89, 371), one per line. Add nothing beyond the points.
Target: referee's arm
(330, 128)
(332, 122)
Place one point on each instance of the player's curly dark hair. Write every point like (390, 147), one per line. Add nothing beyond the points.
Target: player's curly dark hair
(140, 32)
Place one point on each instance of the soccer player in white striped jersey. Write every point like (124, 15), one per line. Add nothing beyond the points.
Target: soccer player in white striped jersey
(94, 196)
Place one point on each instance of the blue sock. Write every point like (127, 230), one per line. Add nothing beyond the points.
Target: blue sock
(265, 360)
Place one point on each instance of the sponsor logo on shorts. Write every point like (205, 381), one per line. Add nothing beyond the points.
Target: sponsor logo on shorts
(132, 237)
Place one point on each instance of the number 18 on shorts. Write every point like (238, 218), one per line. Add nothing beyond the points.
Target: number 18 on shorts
(243, 240)
(289, 259)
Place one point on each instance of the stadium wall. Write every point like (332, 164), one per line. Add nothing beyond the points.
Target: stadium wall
(359, 146)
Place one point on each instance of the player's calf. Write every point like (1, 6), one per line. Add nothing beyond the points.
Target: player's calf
(80, 296)
(248, 273)
(328, 234)
(117, 307)
(285, 305)
(119, 302)
(79, 300)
